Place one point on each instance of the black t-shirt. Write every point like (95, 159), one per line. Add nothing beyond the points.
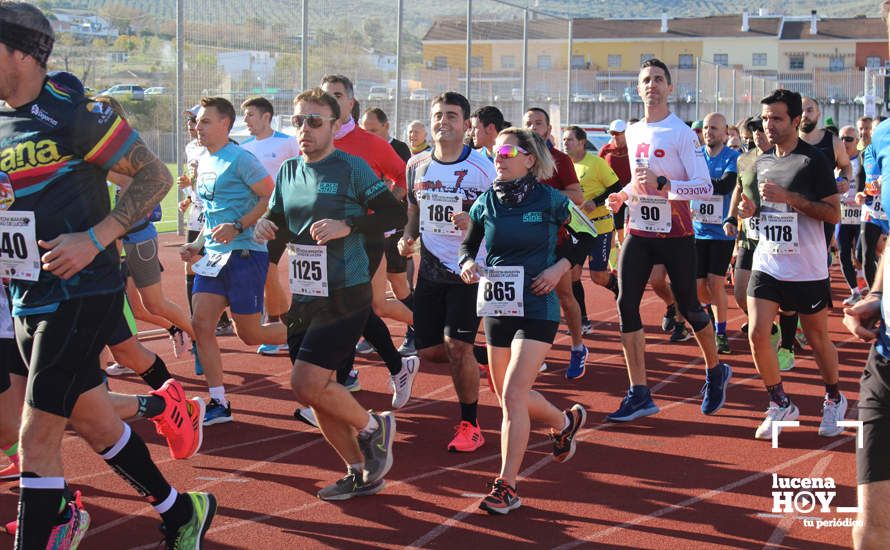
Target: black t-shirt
(401, 149)
(56, 152)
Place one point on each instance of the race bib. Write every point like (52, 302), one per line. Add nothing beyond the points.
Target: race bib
(752, 227)
(778, 233)
(196, 217)
(19, 255)
(500, 292)
(649, 213)
(308, 273)
(708, 210)
(850, 214)
(436, 209)
(211, 264)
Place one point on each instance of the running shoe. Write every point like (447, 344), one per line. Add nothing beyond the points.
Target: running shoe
(351, 485)
(636, 404)
(191, 534)
(377, 447)
(180, 340)
(118, 370)
(800, 336)
(10, 472)
(364, 347)
(714, 390)
(351, 383)
(67, 536)
(181, 422)
(408, 348)
(774, 413)
(307, 415)
(564, 441)
(225, 329)
(854, 297)
(467, 438)
(199, 370)
(831, 413)
(272, 349)
(681, 333)
(668, 321)
(723, 344)
(502, 498)
(543, 367)
(217, 413)
(577, 364)
(786, 359)
(402, 382)
(586, 327)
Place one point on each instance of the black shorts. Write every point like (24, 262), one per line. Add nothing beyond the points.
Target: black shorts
(375, 246)
(872, 464)
(804, 297)
(124, 325)
(501, 331)
(395, 262)
(745, 257)
(62, 350)
(324, 331)
(712, 257)
(444, 309)
(10, 362)
(619, 217)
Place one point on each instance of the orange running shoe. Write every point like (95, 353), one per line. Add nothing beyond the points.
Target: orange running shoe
(467, 438)
(10, 472)
(182, 422)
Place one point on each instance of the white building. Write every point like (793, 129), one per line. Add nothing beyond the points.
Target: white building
(83, 24)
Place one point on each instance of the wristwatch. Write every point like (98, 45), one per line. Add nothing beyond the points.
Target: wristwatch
(350, 223)
(238, 227)
(662, 181)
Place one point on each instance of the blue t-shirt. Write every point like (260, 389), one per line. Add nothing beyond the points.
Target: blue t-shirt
(223, 182)
(876, 162)
(524, 235)
(724, 163)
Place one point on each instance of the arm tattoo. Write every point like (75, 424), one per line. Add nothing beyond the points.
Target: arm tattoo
(151, 181)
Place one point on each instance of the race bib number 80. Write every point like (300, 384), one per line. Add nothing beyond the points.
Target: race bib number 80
(19, 255)
(500, 292)
(708, 210)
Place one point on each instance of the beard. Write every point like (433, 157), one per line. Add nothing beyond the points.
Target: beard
(808, 126)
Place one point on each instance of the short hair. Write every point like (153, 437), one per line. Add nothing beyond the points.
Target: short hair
(221, 104)
(490, 115)
(319, 97)
(262, 104)
(539, 110)
(339, 79)
(791, 100)
(456, 99)
(865, 118)
(813, 99)
(378, 114)
(545, 166)
(655, 62)
(578, 132)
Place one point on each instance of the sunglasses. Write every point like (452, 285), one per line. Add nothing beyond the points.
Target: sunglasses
(510, 151)
(848, 139)
(615, 133)
(315, 121)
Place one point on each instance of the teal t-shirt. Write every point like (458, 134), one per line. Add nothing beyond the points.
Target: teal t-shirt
(524, 235)
(337, 187)
(223, 182)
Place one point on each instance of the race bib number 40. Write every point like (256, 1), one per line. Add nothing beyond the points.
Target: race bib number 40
(19, 255)
(649, 213)
(308, 273)
(778, 233)
(708, 210)
(500, 292)
(436, 209)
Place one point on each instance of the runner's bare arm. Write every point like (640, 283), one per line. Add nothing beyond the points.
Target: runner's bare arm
(826, 210)
(151, 181)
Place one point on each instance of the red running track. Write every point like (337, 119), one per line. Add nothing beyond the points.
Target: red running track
(677, 479)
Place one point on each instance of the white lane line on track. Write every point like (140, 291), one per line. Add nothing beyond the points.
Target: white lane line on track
(778, 535)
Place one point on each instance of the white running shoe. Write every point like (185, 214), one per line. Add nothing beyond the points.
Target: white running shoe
(402, 382)
(182, 342)
(307, 415)
(774, 413)
(854, 297)
(543, 367)
(831, 413)
(118, 370)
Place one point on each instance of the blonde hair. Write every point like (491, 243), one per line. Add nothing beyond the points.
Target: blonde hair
(544, 166)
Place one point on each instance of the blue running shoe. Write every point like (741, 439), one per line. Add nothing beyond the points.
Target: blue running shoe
(714, 391)
(272, 349)
(637, 403)
(216, 413)
(351, 383)
(199, 370)
(577, 364)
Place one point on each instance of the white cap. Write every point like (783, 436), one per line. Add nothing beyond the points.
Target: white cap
(617, 125)
(194, 110)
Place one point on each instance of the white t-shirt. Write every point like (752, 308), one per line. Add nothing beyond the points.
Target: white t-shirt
(469, 176)
(272, 151)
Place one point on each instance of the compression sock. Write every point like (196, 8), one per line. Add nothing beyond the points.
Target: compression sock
(788, 326)
(378, 336)
(156, 374)
(777, 395)
(468, 412)
(578, 292)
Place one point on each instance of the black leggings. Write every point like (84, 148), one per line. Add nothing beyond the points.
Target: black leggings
(846, 244)
(638, 255)
(868, 240)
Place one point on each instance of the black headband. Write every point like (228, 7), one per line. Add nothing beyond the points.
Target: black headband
(28, 41)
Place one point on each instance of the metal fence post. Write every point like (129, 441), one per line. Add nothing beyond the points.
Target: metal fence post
(524, 59)
(697, 88)
(734, 98)
(717, 89)
(569, 79)
(180, 105)
(304, 47)
(398, 94)
(469, 44)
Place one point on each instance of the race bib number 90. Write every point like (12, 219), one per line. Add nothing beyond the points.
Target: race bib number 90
(500, 292)
(436, 209)
(19, 255)
(778, 233)
(649, 213)
(308, 273)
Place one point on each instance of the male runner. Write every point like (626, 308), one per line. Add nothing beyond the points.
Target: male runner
(485, 125)
(374, 120)
(615, 153)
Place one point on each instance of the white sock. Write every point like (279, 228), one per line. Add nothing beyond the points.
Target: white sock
(219, 393)
(371, 427)
(167, 502)
(579, 347)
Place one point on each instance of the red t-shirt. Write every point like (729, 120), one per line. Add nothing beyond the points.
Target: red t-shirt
(618, 160)
(565, 174)
(383, 159)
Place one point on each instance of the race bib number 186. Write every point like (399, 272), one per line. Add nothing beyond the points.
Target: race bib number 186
(436, 209)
